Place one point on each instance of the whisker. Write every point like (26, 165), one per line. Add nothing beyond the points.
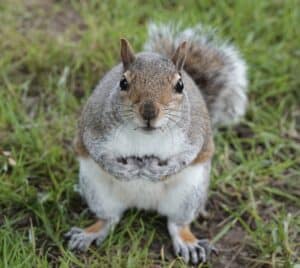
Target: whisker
(170, 132)
(175, 110)
(122, 104)
(171, 109)
(128, 116)
(126, 111)
(173, 115)
(118, 131)
(174, 121)
(171, 112)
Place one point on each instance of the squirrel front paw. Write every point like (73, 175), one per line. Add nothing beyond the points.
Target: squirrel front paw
(187, 246)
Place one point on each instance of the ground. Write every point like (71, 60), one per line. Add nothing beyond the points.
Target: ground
(53, 53)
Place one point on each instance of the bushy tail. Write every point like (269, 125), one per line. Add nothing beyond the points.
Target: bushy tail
(216, 67)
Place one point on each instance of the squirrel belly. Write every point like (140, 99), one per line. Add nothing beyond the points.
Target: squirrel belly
(180, 198)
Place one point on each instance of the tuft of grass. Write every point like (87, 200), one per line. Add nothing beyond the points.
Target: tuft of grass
(52, 55)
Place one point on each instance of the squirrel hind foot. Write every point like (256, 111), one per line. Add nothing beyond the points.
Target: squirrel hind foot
(197, 252)
(187, 246)
(81, 239)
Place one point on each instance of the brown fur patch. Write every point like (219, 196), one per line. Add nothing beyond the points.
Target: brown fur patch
(79, 147)
(206, 153)
(186, 235)
(165, 97)
(96, 227)
(204, 64)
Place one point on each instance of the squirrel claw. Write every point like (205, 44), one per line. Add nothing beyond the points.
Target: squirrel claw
(72, 231)
(79, 239)
(209, 249)
(195, 253)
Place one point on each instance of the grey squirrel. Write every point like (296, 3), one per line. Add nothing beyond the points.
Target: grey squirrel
(145, 135)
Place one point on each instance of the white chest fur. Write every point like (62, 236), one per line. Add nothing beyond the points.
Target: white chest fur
(128, 141)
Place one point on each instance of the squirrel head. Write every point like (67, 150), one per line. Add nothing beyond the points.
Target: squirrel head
(151, 88)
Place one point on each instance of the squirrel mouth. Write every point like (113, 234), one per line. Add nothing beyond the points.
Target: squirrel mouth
(148, 128)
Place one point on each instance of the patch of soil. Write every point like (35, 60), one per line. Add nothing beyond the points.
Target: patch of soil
(231, 249)
(50, 20)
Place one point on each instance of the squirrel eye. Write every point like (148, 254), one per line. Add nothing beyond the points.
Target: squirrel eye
(179, 86)
(124, 84)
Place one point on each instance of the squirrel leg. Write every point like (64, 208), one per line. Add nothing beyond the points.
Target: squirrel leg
(187, 246)
(80, 239)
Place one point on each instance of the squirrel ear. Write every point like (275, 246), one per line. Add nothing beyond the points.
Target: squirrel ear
(127, 54)
(180, 55)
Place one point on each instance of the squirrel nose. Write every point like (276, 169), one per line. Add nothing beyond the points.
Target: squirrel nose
(148, 110)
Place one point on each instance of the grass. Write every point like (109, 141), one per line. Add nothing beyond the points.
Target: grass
(52, 55)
